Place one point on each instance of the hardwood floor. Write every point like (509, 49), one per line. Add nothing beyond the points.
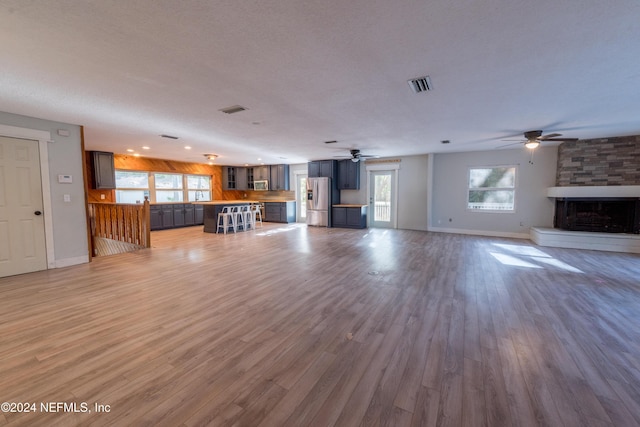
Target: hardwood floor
(297, 326)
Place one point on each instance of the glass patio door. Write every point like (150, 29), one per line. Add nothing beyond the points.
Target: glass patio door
(381, 199)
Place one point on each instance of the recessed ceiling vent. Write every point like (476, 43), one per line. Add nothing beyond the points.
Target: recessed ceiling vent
(421, 84)
(233, 110)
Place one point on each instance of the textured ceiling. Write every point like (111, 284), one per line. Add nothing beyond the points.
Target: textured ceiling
(317, 70)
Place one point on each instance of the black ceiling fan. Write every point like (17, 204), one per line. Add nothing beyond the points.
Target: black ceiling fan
(356, 155)
(533, 138)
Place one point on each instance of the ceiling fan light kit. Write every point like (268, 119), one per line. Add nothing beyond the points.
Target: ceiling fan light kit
(532, 144)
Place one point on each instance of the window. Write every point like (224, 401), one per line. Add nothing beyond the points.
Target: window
(131, 187)
(168, 187)
(492, 189)
(198, 188)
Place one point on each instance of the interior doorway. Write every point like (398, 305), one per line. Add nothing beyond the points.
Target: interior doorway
(22, 227)
(382, 198)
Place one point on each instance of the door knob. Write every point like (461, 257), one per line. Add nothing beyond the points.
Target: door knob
(38, 213)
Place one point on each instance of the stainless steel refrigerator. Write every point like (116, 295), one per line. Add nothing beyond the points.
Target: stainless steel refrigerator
(319, 199)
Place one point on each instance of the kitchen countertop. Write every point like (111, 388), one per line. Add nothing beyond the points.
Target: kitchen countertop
(228, 202)
(276, 200)
(349, 206)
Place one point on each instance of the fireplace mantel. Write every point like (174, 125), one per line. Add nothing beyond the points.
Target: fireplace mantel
(594, 191)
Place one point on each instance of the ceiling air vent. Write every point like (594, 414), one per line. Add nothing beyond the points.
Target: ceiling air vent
(233, 110)
(421, 84)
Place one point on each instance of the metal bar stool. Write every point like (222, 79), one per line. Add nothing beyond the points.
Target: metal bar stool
(256, 213)
(247, 217)
(238, 218)
(226, 219)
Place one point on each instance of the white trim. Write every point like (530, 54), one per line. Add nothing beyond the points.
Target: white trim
(43, 138)
(595, 191)
(430, 165)
(611, 242)
(382, 166)
(296, 174)
(480, 232)
(67, 262)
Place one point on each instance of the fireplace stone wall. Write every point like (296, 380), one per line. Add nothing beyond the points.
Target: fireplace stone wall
(605, 161)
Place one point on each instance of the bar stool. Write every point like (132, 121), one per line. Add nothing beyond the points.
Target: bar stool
(256, 213)
(247, 217)
(226, 219)
(238, 218)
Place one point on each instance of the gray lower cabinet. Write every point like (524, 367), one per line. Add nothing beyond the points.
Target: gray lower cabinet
(173, 215)
(349, 217)
(280, 212)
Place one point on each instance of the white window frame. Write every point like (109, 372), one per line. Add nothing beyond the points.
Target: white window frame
(512, 189)
(151, 190)
(146, 190)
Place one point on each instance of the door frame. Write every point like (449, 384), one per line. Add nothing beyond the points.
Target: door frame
(43, 138)
(386, 167)
(296, 175)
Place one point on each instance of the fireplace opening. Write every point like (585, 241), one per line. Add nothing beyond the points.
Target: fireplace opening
(609, 215)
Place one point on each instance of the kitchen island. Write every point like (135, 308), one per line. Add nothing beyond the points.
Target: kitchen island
(275, 210)
(213, 208)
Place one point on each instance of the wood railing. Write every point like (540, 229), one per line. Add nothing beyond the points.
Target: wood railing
(130, 223)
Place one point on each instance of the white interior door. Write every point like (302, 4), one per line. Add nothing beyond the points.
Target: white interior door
(382, 199)
(22, 232)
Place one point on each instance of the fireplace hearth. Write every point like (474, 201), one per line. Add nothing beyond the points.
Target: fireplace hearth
(608, 215)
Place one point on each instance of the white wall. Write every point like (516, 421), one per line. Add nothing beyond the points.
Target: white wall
(533, 208)
(68, 218)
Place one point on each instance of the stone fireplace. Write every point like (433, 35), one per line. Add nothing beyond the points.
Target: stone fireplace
(597, 197)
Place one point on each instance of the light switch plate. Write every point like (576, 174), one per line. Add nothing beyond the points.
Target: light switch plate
(65, 179)
(67, 197)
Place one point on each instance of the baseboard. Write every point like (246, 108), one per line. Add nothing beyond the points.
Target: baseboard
(480, 232)
(68, 262)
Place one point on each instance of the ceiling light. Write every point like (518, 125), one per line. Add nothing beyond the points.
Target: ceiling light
(130, 150)
(136, 155)
(186, 147)
(211, 157)
(532, 144)
(355, 159)
(144, 147)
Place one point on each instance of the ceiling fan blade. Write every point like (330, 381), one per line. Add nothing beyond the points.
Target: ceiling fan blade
(551, 135)
(513, 143)
(561, 139)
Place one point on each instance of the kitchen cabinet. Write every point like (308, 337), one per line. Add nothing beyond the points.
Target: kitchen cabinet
(198, 214)
(279, 179)
(280, 212)
(173, 215)
(261, 173)
(348, 175)
(322, 168)
(349, 216)
(234, 178)
(103, 171)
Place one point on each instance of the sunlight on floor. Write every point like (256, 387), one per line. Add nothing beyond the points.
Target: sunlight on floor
(525, 256)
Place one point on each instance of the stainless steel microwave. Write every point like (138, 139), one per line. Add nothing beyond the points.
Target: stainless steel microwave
(261, 185)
